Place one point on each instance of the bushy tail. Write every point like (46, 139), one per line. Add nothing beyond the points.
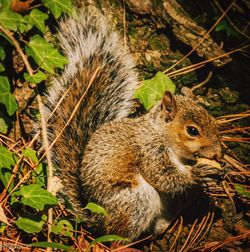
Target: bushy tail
(100, 75)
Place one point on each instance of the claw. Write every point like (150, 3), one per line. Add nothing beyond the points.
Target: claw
(208, 175)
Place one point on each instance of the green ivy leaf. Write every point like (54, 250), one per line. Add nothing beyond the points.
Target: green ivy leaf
(7, 161)
(1, 67)
(4, 84)
(30, 153)
(53, 245)
(31, 223)
(10, 19)
(152, 90)
(14, 197)
(5, 122)
(108, 238)
(36, 78)
(10, 103)
(6, 97)
(221, 26)
(7, 158)
(225, 26)
(2, 53)
(22, 28)
(40, 174)
(36, 197)
(3, 125)
(45, 55)
(242, 190)
(4, 4)
(94, 208)
(63, 227)
(37, 18)
(25, 25)
(2, 227)
(5, 175)
(57, 7)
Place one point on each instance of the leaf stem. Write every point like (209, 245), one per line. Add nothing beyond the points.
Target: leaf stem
(18, 48)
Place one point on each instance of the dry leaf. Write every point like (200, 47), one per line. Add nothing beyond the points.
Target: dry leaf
(3, 217)
(20, 6)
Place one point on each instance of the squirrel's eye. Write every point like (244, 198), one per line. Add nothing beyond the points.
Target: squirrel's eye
(192, 131)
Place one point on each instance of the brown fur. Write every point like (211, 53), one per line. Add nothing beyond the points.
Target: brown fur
(126, 165)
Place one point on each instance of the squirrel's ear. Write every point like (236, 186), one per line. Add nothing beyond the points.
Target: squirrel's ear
(168, 106)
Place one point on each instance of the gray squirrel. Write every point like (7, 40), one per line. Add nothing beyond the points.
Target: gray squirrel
(126, 165)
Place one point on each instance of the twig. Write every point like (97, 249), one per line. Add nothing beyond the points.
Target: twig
(245, 29)
(200, 229)
(11, 148)
(14, 172)
(203, 38)
(203, 82)
(231, 118)
(20, 244)
(200, 64)
(225, 188)
(207, 61)
(131, 244)
(171, 230)
(177, 235)
(234, 163)
(188, 70)
(88, 235)
(19, 183)
(207, 229)
(56, 107)
(245, 113)
(34, 139)
(240, 129)
(79, 248)
(189, 235)
(18, 48)
(231, 22)
(50, 164)
(61, 99)
(7, 138)
(231, 239)
(236, 139)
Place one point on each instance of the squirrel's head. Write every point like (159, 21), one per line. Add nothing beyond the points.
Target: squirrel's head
(193, 130)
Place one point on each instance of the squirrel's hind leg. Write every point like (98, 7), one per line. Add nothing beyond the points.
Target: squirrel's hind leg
(132, 210)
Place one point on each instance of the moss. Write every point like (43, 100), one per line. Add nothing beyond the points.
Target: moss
(228, 96)
(115, 3)
(159, 42)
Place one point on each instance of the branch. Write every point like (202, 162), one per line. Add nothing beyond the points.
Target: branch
(18, 48)
(203, 82)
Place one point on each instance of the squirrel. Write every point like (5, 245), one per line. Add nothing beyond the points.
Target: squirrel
(126, 165)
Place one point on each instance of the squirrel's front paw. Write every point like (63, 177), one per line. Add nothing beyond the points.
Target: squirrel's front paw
(206, 175)
(161, 225)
